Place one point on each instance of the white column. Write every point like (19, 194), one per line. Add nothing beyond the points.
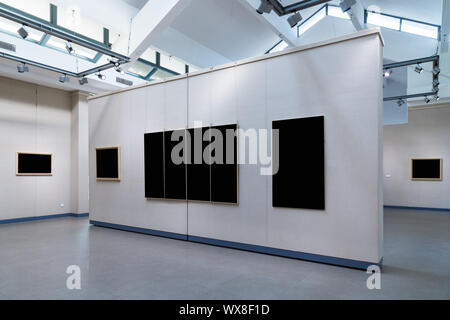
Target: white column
(80, 153)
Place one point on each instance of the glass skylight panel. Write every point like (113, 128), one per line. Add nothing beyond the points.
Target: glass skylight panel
(337, 12)
(312, 21)
(279, 47)
(383, 21)
(140, 68)
(420, 29)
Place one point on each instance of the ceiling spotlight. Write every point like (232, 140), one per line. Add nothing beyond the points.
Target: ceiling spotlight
(23, 32)
(264, 7)
(418, 69)
(69, 48)
(436, 97)
(101, 76)
(83, 81)
(347, 5)
(387, 73)
(435, 82)
(22, 68)
(64, 78)
(436, 71)
(120, 70)
(400, 102)
(427, 100)
(294, 19)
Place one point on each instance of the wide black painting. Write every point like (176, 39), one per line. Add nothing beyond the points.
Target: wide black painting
(300, 180)
(198, 170)
(174, 165)
(34, 164)
(108, 163)
(154, 164)
(224, 171)
(426, 169)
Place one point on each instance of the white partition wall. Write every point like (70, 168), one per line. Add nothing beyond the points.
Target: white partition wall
(339, 79)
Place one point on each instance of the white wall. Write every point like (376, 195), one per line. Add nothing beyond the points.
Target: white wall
(34, 119)
(43, 120)
(426, 135)
(302, 82)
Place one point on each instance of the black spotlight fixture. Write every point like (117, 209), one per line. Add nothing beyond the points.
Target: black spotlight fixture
(426, 99)
(101, 76)
(83, 81)
(436, 71)
(387, 73)
(418, 69)
(64, 78)
(436, 97)
(120, 70)
(69, 48)
(22, 68)
(264, 7)
(23, 32)
(294, 19)
(400, 102)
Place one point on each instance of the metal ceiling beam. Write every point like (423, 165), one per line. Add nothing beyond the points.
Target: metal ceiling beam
(37, 64)
(281, 10)
(408, 96)
(410, 62)
(60, 33)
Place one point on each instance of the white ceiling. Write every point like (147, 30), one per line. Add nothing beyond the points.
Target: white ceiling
(139, 4)
(229, 28)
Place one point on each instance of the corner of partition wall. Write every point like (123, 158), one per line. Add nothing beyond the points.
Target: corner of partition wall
(380, 45)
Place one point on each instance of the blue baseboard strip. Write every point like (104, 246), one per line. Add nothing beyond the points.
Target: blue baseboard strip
(342, 262)
(362, 265)
(157, 233)
(417, 208)
(51, 216)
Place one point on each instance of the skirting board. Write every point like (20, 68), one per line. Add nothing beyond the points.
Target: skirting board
(342, 262)
(51, 216)
(417, 208)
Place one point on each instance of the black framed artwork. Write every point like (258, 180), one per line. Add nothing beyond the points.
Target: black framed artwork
(34, 164)
(426, 169)
(107, 163)
(196, 178)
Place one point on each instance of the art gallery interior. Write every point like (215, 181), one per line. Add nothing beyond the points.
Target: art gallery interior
(239, 149)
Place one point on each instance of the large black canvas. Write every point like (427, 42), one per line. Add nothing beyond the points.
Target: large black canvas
(38, 164)
(198, 171)
(426, 169)
(174, 174)
(154, 164)
(224, 177)
(107, 163)
(300, 180)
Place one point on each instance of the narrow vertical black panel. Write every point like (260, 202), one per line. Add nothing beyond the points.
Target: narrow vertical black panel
(224, 177)
(174, 173)
(300, 181)
(154, 164)
(198, 171)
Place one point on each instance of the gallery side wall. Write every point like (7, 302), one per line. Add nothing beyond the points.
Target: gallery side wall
(427, 135)
(34, 119)
(253, 94)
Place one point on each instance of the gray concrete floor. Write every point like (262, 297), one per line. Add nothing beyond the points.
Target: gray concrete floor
(123, 265)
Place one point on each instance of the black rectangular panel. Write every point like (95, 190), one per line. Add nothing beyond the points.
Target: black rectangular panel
(427, 169)
(300, 180)
(198, 171)
(174, 173)
(224, 176)
(34, 164)
(154, 164)
(107, 163)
